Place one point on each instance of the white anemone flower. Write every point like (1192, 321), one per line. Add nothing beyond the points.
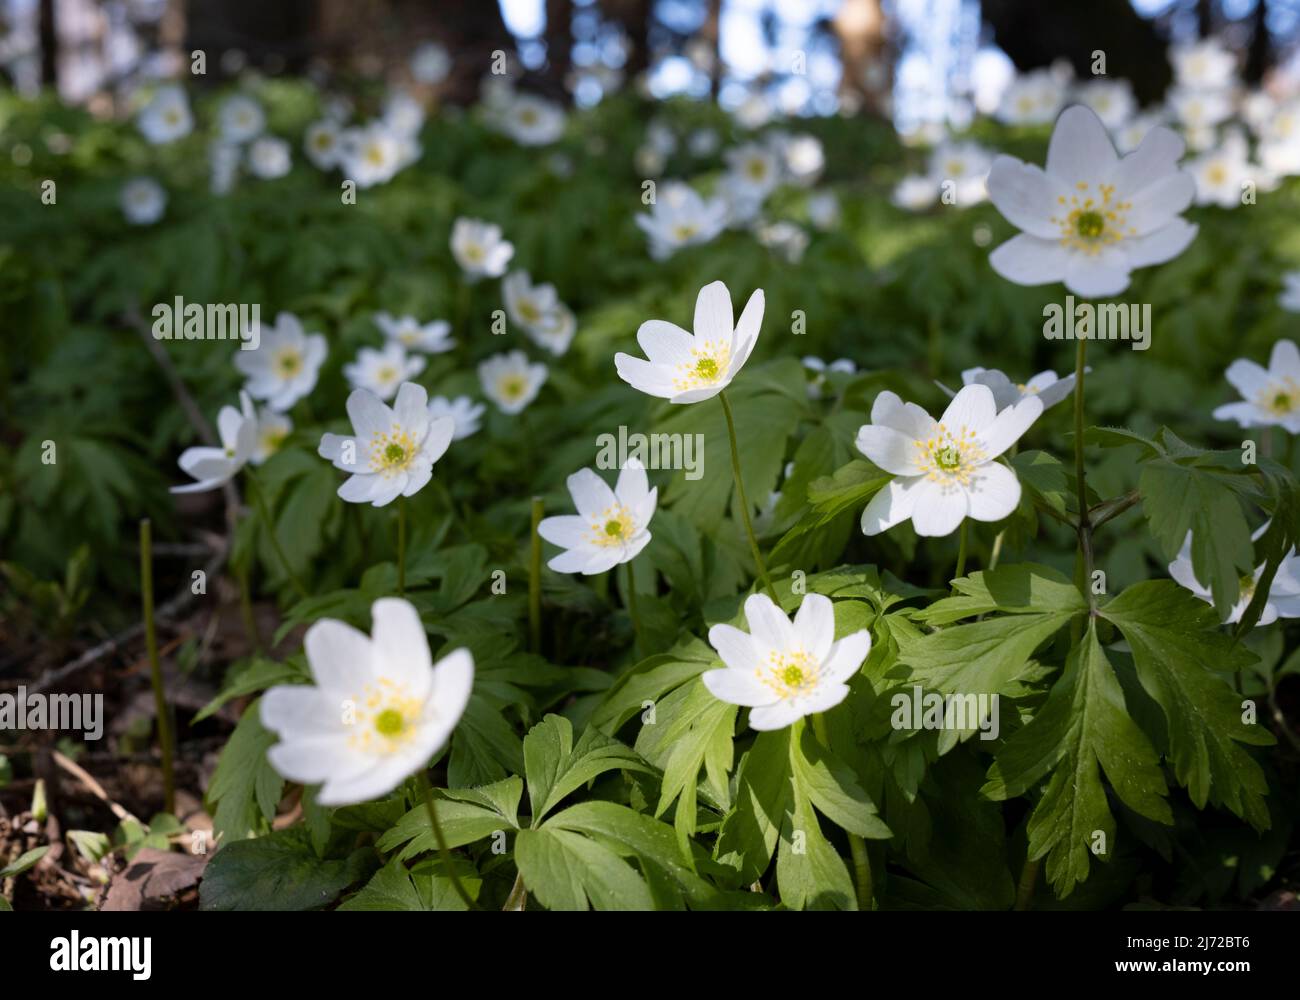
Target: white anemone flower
(323, 143)
(555, 332)
(1092, 217)
(393, 449)
(214, 467)
(532, 121)
(269, 157)
(1290, 297)
(528, 304)
(379, 709)
(689, 367)
(1203, 65)
(680, 217)
(1045, 385)
(383, 370)
(143, 201)
(783, 670)
(1270, 396)
(479, 249)
(754, 170)
(611, 526)
(467, 414)
(915, 192)
(272, 429)
(166, 117)
(1112, 100)
(1129, 136)
(403, 114)
(824, 210)
(946, 469)
(964, 165)
(223, 162)
(431, 338)
(430, 63)
(1283, 599)
(373, 154)
(1199, 110)
(285, 365)
(1032, 99)
(511, 381)
(1222, 175)
(240, 119)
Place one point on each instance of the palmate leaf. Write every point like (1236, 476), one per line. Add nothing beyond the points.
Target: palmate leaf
(465, 815)
(1178, 651)
(1081, 731)
(554, 766)
(280, 871)
(833, 500)
(245, 787)
(988, 657)
(422, 888)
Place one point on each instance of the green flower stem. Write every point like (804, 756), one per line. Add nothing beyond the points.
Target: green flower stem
(1080, 481)
(1028, 878)
(996, 553)
(155, 668)
(535, 580)
(960, 571)
(631, 603)
(857, 846)
(401, 546)
(267, 522)
(744, 502)
(443, 851)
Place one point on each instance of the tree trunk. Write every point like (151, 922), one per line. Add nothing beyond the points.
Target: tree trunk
(49, 34)
(864, 79)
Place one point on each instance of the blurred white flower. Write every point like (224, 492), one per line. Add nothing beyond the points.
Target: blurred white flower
(431, 338)
(531, 120)
(374, 153)
(824, 210)
(323, 143)
(272, 429)
(1198, 110)
(510, 381)
(240, 119)
(1283, 599)
(467, 414)
(213, 467)
(1112, 100)
(915, 192)
(1270, 396)
(167, 116)
(754, 171)
(430, 63)
(403, 114)
(143, 201)
(382, 371)
(223, 161)
(1032, 99)
(964, 165)
(703, 142)
(479, 249)
(269, 157)
(1290, 297)
(285, 365)
(1203, 65)
(785, 238)
(1129, 136)
(1049, 389)
(680, 217)
(1222, 174)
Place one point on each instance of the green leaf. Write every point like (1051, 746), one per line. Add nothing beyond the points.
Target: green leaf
(840, 495)
(566, 870)
(1178, 498)
(1082, 730)
(764, 793)
(23, 862)
(1179, 651)
(691, 729)
(555, 767)
(258, 675)
(833, 789)
(278, 872)
(245, 788)
(1043, 477)
(465, 815)
(425, 888)
(1023, 588)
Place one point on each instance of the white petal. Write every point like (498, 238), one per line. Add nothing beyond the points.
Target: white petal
(1160, 201)
(412, 408)
(827, 696)
(644, 377)
(993, 493)
(1029, 260)
(737, 687)
(339, 655)
(908, 418)
(591, 494)
(633, 486)
(713, 316)
(571, 561)
(1080, 148)
(938, 509)
(1164, 244)
(361, 488)
(1097, 277)
(814, 625)
(776, 716)
(453, 680)
(399, 646)
(368, 413)
(1285, 359)
(846, 656)
(1158, 153)
(736, 648)
(441, 432)
(889, 449)
(891, 505)
(972, 408)
(1010, 425)
(768, 624)
(665, 343)
(747, 330)
(1025, 195)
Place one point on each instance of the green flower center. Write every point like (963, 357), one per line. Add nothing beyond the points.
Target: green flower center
(614, 529)
(792, 676)
(707, 368)
(394, 454)
(389, 722)
(1090, 224)
(1282, 401)
(948, 458)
